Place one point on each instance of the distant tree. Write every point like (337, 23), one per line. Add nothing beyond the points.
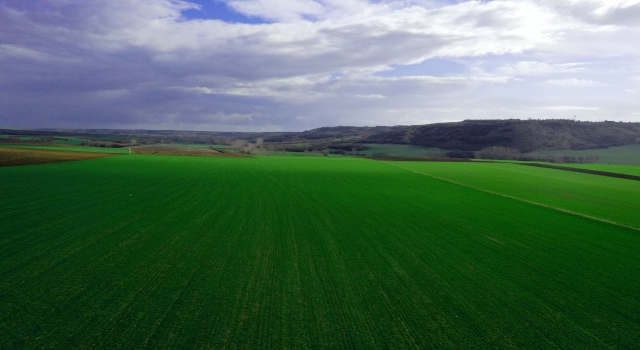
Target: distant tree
(379, 155)
(133, 142)
(238, 144)
(460, 154)
(325, 152)
(499, 152)
(249, 148)
(354, 151)
(260, 142)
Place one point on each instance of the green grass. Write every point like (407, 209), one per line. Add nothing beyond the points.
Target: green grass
(604, 197)
(299, 252)
(394, 150)
(73, 148)
(614, 155)
(612, 168)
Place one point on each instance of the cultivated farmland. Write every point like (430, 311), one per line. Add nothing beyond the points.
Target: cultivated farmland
(598, 196)
(10, 156)
(72, 148)
(142, 251)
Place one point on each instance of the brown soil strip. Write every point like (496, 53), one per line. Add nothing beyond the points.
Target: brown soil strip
(520, 199)
(586, 171)
(23, 156)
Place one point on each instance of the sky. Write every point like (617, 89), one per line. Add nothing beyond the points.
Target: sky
(292, 65)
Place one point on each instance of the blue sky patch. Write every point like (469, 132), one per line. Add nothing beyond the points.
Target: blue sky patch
(214, 9)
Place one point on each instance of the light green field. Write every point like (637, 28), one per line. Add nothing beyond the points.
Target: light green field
(604, 197)
(73, 148)
(307, 252)
(614, 155)
(394, 150)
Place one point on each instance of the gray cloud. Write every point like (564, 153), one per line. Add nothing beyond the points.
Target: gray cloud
(123, 63)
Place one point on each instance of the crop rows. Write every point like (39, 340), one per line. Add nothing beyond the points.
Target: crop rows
(299, 252)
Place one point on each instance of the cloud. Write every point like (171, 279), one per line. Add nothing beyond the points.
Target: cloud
(120, 62)
(573, 82)
(372, 96)
(570, 108)
(296, 10)
(532, 68)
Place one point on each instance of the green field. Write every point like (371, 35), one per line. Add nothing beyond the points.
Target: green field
(613, 155)
(603, 197)
(72, 148)
(311, 252)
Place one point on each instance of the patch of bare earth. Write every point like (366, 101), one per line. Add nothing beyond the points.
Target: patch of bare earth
(23, 156)
(173, 150)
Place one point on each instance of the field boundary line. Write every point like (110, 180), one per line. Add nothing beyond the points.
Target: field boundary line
(584, 171)
(518, 199)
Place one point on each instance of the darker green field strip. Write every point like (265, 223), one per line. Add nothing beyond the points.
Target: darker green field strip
(585, 171)
(299, 252)
(612, 168)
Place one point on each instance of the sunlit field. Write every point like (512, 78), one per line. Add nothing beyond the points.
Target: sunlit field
(151, 251)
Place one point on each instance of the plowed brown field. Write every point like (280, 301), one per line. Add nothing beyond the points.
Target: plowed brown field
(22, 156)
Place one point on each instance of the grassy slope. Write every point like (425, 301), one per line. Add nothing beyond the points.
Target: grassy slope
(402, 150)
(613, 155)
(604, 197)
(73, 148)
(297, 252)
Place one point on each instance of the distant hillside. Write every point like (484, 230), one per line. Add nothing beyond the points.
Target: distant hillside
(466, 136)
(352, 133)
(523, 135)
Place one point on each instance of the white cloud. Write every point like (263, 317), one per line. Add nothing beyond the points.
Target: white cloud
(138, 60)
(372, 96)
(296, 10)
(573, 82)
(570, 108)
(531, 68)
